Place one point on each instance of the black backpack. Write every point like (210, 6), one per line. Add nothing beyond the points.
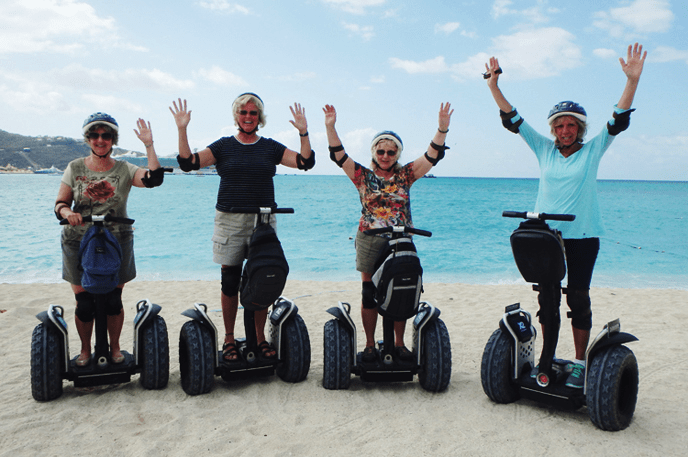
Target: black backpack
(398, 279)
(100, 257)
(265, 272)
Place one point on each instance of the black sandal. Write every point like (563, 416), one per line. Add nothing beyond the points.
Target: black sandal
(266, 349)
(369, 354)
(403, 353)
(230, 353)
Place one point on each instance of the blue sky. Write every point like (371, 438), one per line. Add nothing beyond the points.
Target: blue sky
(383, 64)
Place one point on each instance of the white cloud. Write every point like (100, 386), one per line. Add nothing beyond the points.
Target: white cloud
(365, 32)
(354, 6)
(532, 54)
(436, 65)
(641, 16)
(224, 6)
(80, 77)
(55, 26)
(447, 28)
(604, 53)
(668, 54)
(220, 77)
(535, 15)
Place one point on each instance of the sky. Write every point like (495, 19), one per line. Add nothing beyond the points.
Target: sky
(383, 64)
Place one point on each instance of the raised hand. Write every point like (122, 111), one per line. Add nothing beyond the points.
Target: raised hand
(299, 121)
(445, 116)
(182, 117)
(144, 133)
(491, 74)
(330, 115)
(635, 60)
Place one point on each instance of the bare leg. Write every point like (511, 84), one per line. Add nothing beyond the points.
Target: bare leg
(84, 329)
(230, 305)
(580, 342)
(114, 326)
(399, 328)
(369, 318)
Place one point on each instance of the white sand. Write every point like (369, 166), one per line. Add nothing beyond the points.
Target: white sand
(268, 417)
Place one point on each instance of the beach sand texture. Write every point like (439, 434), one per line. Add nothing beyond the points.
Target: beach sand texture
(268, 417)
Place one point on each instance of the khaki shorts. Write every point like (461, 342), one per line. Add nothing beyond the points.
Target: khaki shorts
(71, 271)
(368, 249)
(232, 235)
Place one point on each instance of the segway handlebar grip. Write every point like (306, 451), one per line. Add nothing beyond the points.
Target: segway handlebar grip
(540, 216)
(260, 210)
(102, 218)
(398, 229)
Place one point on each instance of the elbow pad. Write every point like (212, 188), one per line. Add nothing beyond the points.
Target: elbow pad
(620, 122)
(154, 178)
(508, 120)
(305, 164)
(187, 164)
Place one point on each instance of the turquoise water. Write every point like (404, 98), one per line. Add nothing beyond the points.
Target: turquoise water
(644, 247)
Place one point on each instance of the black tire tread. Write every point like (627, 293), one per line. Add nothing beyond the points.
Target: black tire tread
(196, 358)
(495, 367)
(436, 363)
(337, 354)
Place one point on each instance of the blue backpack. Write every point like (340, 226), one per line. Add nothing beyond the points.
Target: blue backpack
(100, 256)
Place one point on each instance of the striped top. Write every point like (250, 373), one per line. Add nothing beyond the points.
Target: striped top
(246, 172)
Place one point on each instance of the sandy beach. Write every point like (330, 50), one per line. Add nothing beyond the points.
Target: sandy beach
(268, 417)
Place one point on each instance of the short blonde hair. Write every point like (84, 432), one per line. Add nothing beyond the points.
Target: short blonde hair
(242, 100)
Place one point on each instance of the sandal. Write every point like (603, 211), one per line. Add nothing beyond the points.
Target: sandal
(267, 351)
(82, 361)
(117, 359)
(230, 353)
(369, 354)
(403, 353)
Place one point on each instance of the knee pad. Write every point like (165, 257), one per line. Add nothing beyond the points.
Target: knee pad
(85, 306)
(368, 295)
(580, 305)
(113, 302)
(231, 278)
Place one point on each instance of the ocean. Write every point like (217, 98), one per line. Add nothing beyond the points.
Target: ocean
(645, 245)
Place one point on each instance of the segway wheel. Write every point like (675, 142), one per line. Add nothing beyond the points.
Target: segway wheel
(47, 360)
(612, 388)
(155, 355)
(436, 364)
(496, 367)
(295, 351)
(338, 355)
(196, 358)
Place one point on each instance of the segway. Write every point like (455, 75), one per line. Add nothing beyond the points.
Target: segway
(398, 283)
(200, 358)
(508, 371)
(51, 362)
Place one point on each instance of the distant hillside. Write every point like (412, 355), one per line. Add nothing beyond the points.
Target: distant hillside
(44, 151)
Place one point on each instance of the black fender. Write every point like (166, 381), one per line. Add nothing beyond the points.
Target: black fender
(616, 339)
(199, 313)
(342, 312)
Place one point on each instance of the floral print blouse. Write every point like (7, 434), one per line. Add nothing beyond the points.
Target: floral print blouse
(385, 202)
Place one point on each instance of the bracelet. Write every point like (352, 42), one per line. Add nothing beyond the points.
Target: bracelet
(442, 131)
(303, 134)
(148, 145)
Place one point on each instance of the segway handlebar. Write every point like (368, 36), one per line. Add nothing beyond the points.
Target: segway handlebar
(540, 216)
(102, 218)
(398, 229)
(260, 210)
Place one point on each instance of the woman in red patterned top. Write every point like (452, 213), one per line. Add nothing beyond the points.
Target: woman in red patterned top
(384, 190)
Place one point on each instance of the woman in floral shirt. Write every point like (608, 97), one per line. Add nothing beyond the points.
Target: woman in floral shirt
(99, 185)
(384, 190)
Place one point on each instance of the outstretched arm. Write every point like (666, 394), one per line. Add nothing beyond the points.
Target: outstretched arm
(492, 81)
(335, 144)
(435, 152)
(182, 117)
(145, 134)
(633, 68)
(290, 157)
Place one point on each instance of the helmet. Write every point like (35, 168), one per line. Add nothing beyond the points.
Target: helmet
(567, 108)
(100, 118)
(261, 106)
(387, 135)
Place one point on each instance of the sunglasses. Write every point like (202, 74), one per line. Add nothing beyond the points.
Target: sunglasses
(243, 112)
(382, 152)
(105, 136)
